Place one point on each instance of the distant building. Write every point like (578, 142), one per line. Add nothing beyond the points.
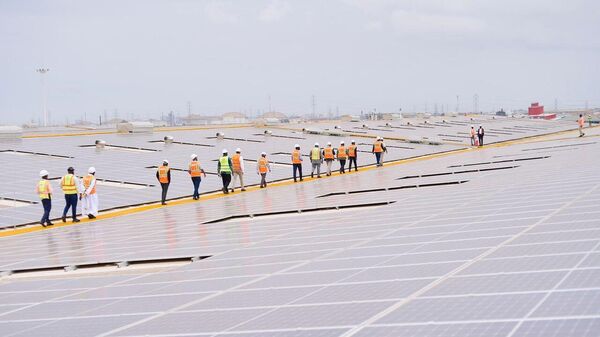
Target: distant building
(501, 113)
(234, 118)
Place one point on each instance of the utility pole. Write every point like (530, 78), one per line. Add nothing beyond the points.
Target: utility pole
(189, 106)
(314, 107)
(42, 72)
(476, 104)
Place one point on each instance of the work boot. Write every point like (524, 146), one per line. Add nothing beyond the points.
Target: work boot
(49, 223)
(243, 190)
(311, 175)
(43, 224)
(64, 218)
(232, 190)
(76, 220)
(301, 179)
(91, 216)
(318, 176)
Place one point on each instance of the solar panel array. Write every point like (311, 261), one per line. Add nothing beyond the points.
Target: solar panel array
(137, 167)
(507, 252)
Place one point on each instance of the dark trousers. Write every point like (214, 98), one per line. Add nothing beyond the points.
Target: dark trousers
(297, 167)
(165, 188)
(480, 140)
(71, 200)
(350, 161)
(342, 165)
(378, 158)
(47, 203)
(263, 180)
(196, 181)
(226, 177)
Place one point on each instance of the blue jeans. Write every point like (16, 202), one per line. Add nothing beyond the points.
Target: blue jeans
(196, 181)
(47, 203)
(71, 200)
(378, 157)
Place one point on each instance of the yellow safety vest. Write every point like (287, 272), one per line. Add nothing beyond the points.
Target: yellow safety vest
(43, 189)
(315, 154)
(68, 184)
(225, 168)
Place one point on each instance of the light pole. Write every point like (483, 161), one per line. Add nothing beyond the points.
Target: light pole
(43, 72)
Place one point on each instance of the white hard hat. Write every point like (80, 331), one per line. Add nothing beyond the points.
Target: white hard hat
(296, 145)
(224, 151)
(238, 150)
(166, 162)
(472, 126)
(342, 142)
(479, 125)
(43, 173)
(194, 156)
(92, 170)
(353, 141)
(263, 154)
(316, 144)
(328, 143)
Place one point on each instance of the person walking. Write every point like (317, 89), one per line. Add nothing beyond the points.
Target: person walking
(262, 168)
(480, 134)
(297, 162)
(342, 155)
(581, 123)
(224, 169)
(44, 190)
(89, 205)
(473, 133)
(589, 119)
(329, 155)
(378, 149)
(71, 186)
(316, 159)
(238, 169)
(352, 156)
(196, 172)
(163, 174)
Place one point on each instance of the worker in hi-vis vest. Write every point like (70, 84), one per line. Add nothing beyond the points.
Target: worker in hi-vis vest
(352, 149)
(89, 200)
(237, 170)
(224, 170)
(379, 149)
(297, 162)
(581, 123)
(71, 186)
(329, 156)
(316, 159)
(196, 171)
(163, 174)
(44, 190)
(263, 166)
(472, 133)
(342, 154)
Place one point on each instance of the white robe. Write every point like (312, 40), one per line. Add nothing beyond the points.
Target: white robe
(89, 203)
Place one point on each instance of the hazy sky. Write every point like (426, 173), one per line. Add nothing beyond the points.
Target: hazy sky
(149, 57)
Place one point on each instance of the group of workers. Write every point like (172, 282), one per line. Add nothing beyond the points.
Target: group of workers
(231, 168)
(477, 136)
(74, 190)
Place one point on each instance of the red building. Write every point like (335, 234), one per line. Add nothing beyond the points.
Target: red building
(536, 109)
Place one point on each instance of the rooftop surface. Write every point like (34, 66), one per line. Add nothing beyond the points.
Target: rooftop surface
(444, 240)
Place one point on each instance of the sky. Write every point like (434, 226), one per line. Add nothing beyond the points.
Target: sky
(144, 58)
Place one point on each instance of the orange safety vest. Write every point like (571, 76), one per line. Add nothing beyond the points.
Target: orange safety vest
(163, 174)
(352, 151)
(328, 153)
(68, 184)
(87, 181)
(44, 189)
(237, 164)
(581, 122)
(263, 165)
(195, 169)
(377, 147)
(341, 152)
(472, 132)
(296, 159)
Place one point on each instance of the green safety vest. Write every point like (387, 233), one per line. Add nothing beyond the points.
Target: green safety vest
(225, 168)
(315, 154)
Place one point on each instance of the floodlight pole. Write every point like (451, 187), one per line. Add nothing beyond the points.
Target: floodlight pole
(43, 72)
